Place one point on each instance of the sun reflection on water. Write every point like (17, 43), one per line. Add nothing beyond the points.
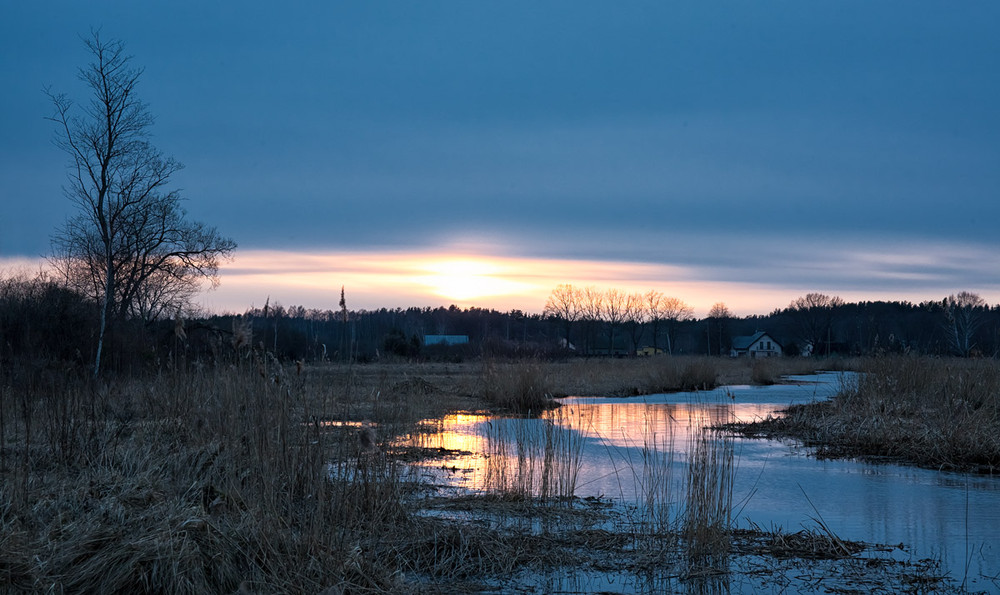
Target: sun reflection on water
(478, 452)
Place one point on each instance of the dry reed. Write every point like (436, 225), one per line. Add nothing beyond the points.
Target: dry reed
(614, 377)
(530, 458)
(199, 481)
(521, 387)
(708, 519)
(658, 503)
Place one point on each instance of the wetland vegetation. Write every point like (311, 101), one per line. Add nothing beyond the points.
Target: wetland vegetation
(940, 413)
(262, 477)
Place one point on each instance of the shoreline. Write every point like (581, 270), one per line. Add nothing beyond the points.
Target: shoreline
(939, 414)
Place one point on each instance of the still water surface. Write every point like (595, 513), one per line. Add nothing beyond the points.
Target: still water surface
(947, 516)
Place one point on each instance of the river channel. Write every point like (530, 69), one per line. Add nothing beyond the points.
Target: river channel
(954, 518)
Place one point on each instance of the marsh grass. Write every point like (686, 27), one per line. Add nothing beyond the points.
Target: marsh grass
(529, 385)
(763, 372)
(771, 370)
(201, 480)
(813, 543)
(530, 458)
(612, 377)
(938, 413)
(707, 522)
(659, 502)
(518, 386)
(536, 461)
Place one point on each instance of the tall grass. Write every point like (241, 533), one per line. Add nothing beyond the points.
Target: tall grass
(655, 519)
(693, 510)
(677, 518)
(530, 458)
(635, 376)
(233, 477)
(194, 481)
(708, 517)
(658, 500)
(529, 385)
(521, 386)
(611, 377)
(770, 370)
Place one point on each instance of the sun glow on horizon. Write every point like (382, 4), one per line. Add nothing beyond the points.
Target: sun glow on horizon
(464, 278)
(468, 279)
(474, 276)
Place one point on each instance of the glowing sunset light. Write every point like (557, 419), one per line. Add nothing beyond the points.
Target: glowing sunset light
(470, 275)
(390, 279)
(471, 279)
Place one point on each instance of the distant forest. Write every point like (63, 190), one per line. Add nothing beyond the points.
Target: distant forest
(842, 328)
(43, 321)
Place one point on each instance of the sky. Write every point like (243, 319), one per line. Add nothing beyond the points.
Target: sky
(480, 153)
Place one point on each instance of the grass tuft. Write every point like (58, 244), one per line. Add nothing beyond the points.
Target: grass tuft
(521, 387)
(708, 517)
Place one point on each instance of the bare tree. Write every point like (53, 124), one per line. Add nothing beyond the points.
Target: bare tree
(651, 301)
(963, 317)
(814, 314)
(564, 304)
(635, 317)
(615, 312)
(130, 247)
(670, 311)
(719, 314)
(592, 305)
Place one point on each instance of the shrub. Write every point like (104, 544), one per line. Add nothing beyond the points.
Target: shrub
(519, 386)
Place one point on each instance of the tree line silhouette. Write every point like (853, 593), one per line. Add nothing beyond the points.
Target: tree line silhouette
(43, 321)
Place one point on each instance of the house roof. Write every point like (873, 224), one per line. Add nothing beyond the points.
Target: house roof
(445, 339)
(745, 342)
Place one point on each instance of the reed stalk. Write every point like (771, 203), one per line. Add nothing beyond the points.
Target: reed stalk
(531, 458)
(708, 517)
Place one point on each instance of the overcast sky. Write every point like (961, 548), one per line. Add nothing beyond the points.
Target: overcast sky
(744, 148)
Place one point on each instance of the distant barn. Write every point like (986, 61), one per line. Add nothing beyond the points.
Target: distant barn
(446, 339)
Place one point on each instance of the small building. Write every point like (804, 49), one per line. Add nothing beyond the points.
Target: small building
(760, 344)
(563, 343)
(446, 339)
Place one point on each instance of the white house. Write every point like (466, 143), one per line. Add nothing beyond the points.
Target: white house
(760, 344)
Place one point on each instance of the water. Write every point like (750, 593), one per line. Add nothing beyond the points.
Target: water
(954, 518)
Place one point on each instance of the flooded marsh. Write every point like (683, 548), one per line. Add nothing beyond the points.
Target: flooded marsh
(657, 460)
(264, 478)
